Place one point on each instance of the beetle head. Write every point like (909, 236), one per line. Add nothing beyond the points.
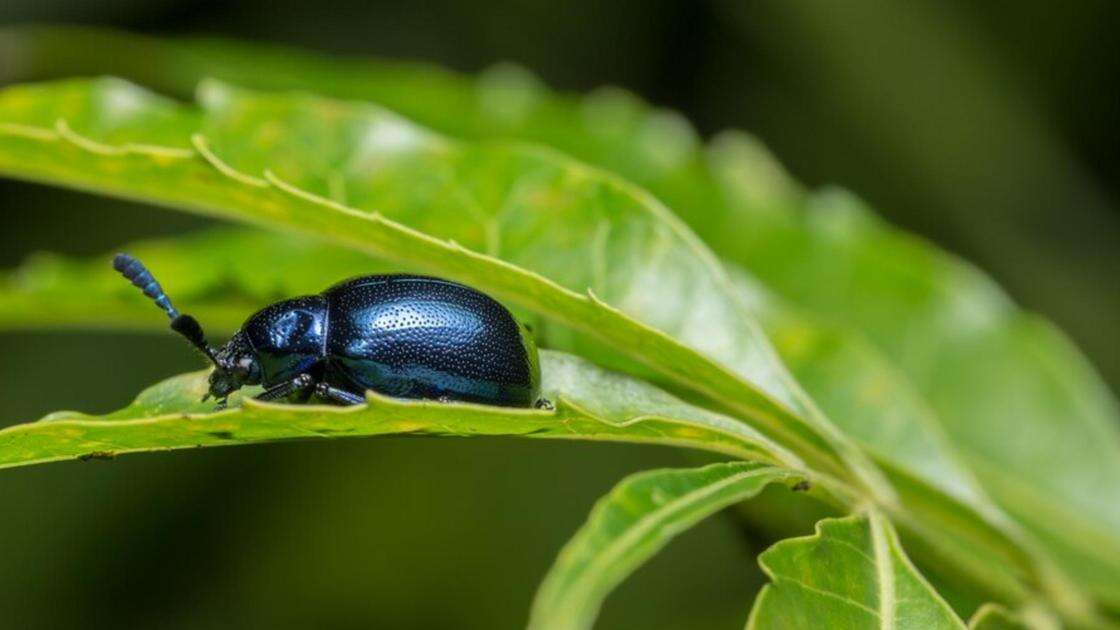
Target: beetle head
(235, 365)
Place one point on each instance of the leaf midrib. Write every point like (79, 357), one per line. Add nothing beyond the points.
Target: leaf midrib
(884, 573)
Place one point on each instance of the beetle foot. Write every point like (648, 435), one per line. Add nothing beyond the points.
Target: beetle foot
(545, 404)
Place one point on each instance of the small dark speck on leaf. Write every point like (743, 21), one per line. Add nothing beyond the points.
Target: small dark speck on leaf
(221, 435)
(801, 486)
(96, 455)
(330, 431)
(419, 433)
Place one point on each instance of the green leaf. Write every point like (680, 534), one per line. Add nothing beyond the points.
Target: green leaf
(280, 159)
(610, 127)
(852, 573)
(1029, 416)
(639, 517)
(591, 404)
(955, 523)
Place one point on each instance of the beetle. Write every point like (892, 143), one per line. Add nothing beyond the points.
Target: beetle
(400, 335)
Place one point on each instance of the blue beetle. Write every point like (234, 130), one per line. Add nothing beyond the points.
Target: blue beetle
(400, 335)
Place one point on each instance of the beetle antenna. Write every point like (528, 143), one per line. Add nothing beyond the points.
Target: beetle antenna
(136, 273)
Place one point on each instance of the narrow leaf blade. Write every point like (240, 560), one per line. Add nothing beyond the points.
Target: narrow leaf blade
(641, 515)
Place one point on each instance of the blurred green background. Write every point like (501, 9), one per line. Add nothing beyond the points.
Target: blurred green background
(992, 128)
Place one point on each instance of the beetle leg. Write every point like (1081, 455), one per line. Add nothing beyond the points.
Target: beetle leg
(287, 388)
(339, 396)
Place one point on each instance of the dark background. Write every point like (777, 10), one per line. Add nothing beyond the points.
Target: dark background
(992, 128)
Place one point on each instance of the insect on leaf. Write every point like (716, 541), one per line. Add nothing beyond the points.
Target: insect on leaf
(591, 404)
(953, 334)
(307, 164)
(216, 272)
